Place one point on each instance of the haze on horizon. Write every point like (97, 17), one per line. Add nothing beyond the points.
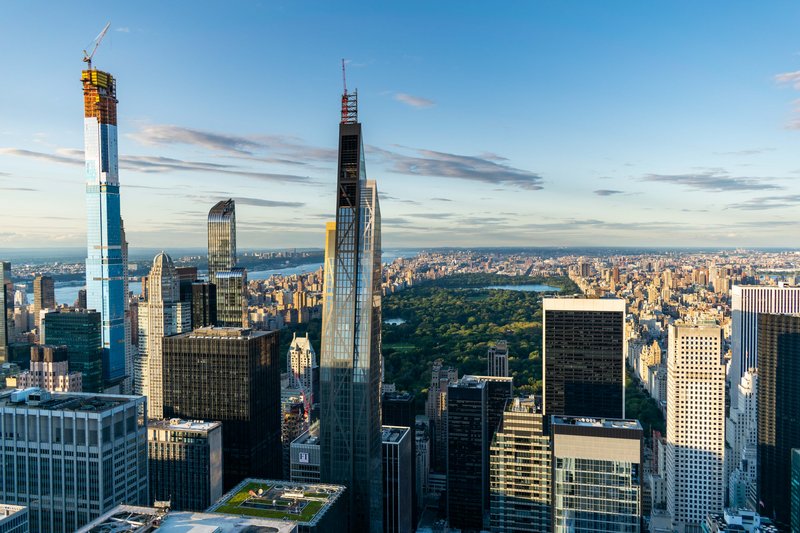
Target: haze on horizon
(515, 124)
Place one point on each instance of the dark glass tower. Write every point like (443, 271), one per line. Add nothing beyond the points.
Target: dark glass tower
(350, 425)
(230, 375)
(81, 332)
(6, 308)
(204, 304)
(584, 357)
(221, 238)
(778, 410)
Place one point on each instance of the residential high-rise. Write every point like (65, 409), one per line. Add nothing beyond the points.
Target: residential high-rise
(303, 370)
(232, 298)
(597, 474)
(747, 301)
(44, 296)
(221, 238)
(131, 351)
(398, 467)
(49, 370)
(584, 357)
(80, 330)
(350, 430)
(185, 462)
(105, 272)
(6, 309)
(230, 375)
(436, 409)
(466, 453)
(83, 454)
(161, 315)
(695, 424)
(778, 410)
(204, 304)
(497, 360)
(520, 470)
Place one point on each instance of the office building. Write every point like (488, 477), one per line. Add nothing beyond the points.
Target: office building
(44, 296)
(105, 272)
(162, 314)
(436, 410)
(315, 507)
(134, 519)
(14, 519)
(305, 456)
(741, 443)
(6, 309)
(232, 376)
(795, 491)
(204, 304)
(232, 298)
(497, 360)
(350, 430)
(584, 357)
(397, 409)
(466, 453)
(49, 370)
(597, 474)
(695, 424)
(80, 301)
(778, 410)
(747, 301)
(63, 455)
(520, 471)
(739, 520)
(398, 468)
(185, 462)
(80, 330)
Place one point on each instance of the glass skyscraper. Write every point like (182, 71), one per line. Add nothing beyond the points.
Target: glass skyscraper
(350, 429)
(105, 272)
(6, 308)
(221, 238)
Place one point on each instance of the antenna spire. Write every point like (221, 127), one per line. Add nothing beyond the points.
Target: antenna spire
(344, 76)
(349, 101)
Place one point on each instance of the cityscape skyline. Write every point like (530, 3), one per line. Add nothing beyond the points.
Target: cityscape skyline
(446, 183)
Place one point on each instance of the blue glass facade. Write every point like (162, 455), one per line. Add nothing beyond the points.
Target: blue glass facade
(105, 271)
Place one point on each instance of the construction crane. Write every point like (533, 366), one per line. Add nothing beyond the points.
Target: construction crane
(87, 56)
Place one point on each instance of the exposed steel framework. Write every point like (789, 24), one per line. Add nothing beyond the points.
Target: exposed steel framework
(349, 101)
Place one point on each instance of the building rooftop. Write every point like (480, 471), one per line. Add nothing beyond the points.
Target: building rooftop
(177, 424)
(130, 519)
(582, 421)
(304, 503)
(213, 332)
(309, 437)
(36, 398)
(10, 510)
(393, 434)
(531, 404)
(398, 395)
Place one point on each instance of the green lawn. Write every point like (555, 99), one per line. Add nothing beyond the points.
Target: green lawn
(234, 506)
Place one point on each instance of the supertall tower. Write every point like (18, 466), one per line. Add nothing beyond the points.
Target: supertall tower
(221, 238)
(350, 428)
(105, 271)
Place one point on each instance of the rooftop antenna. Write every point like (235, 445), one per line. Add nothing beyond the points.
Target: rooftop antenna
(344, 76)
(349, 101)
(87, 56)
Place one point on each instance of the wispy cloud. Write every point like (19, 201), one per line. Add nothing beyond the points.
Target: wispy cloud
(259, 202)
(414, 101)
(165, 134)
(789, 78)
(607, 192)
(123, 29)
(751, 151)
(441, 200)
(447, 165)
(713, 181)
(768, 202)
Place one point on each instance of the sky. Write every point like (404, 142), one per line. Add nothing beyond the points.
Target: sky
(513, 123)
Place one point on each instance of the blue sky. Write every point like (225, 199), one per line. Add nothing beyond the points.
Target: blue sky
(486, 123)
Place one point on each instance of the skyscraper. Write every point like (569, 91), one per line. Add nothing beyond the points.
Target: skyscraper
(44, 296)
(230, 375)
(232, 298)
(796, 489)
(302, 367)
(742, 443)
(467, 449)
(350, 430)
(584, 357)
(105, 287)
(695, 424)
(221, 238)
(520, 470)
(597, 474)
(80, 330)
(746, 303)
(497, 360)
(6, 308)
(204, 304)
(49, 370)
(398, 466)
(778, 410)
(161, 315)
(436, 409)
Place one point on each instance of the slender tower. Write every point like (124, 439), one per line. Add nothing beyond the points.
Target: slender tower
(105, 281)
(350, 428)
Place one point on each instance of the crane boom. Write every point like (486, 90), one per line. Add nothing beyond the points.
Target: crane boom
(87, 56)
